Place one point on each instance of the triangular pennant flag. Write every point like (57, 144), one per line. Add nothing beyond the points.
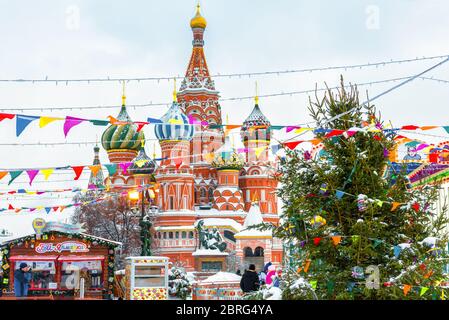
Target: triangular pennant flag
(355, 238)
(339, 194)
(406, 289)
(14, 175)
(291, 128)
(416, 206)
(22, 122)
(10, 207)
(47, 209)
(55, 208)
(259, 150)
(376, 242)
(154, 120)
(428, 127)
(292, 144)
(43, 121)
(313, 284)
(397, 251)
(140, 163)
(112, 168)
(307, 265)
(140, 125)
(70, 122)
(99, 122)
(334, 133)
(32, 209)
(61, 208)
(175, 121)
(316, 241)
(423, 291)
(3, 174)
(336, 240)
(4, 116)
(409, 127)
(125, 166)
(94, 169)
(17, 210)
(395, 206)
(47, 172)
(32, 174)
(78, 170)
(277, 127)
(275, 148)
(446, 128)
(177, 162)
(379, 202)
(301, 130)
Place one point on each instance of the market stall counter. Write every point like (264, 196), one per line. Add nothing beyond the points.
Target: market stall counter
(64, 263)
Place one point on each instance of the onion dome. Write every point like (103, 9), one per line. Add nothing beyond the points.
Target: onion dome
(122, 136)
(226, 158)
(255, 123)
(175, 125)
(142, 163)
(198, 20)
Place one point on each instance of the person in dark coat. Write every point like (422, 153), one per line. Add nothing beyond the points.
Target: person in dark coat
(250, 280)
(22, 278)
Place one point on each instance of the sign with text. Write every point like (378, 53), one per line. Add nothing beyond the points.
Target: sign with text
(70, 246)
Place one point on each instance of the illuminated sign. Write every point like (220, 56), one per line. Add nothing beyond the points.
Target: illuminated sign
(71, 246)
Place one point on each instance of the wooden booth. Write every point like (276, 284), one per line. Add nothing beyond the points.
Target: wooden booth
(65, 263)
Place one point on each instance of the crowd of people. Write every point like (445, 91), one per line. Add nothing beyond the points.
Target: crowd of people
(251, 280)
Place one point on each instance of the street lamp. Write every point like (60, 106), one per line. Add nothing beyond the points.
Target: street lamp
(144, 222)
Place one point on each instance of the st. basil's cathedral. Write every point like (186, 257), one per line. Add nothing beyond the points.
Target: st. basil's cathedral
(202, 176)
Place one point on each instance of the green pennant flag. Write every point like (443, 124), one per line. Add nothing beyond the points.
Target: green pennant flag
(423, 290)
(277, 127)
(355, 238)
(112, 168)
(313, 284)
(446, 128)
(215, 126)
(99, 122)
(14, 175)
(376, 242)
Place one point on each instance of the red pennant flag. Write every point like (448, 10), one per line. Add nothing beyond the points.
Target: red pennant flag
(78, 170)
(377, 137)
(292, 145)
(410, 127)
(178, 162)
(316, 241)
(4, 116)
(416, 206)
(55, 208)
(433, 157)
(140, 125)
(10, 207)
(334, 133)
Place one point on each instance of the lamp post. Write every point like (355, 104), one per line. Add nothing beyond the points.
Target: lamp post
(144, 222)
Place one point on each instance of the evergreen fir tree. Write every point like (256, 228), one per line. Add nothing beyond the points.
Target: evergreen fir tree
(334, 236)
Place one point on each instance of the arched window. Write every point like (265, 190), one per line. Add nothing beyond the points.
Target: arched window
(248, 252)
(177, 235)
(258, 252)
(170, 235)
(202, 192)
(191, 235)
(184, 234)
(211, 194)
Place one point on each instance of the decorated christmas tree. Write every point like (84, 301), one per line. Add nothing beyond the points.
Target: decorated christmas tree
(355, 227)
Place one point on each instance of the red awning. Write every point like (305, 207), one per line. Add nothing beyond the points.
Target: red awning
(80, 258)
(32, 258)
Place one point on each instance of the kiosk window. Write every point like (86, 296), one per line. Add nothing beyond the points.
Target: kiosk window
(42, 273)
(73, 271)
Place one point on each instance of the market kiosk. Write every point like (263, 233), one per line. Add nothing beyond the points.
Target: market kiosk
(146, 278)
(64, 262)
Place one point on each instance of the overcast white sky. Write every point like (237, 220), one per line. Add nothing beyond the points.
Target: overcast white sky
(153, 38)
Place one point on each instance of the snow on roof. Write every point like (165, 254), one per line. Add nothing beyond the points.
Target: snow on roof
(81, 234)
(222, 277)
(254, 216)
(222, 222)
(206, 252)
(254, 233)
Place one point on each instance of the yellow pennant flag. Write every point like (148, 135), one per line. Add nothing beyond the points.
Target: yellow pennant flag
(43, 121)
(336, 240)
(47, 172)
(379, 202)
(175, 121)
(31, 192)
(301, 130)
(442, 295)
(259, 150)
(94, 169)
(39, 207)
(395, 206)
(140, 163)
(61, 208)
(407, 289)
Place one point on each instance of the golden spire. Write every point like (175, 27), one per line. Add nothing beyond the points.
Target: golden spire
(256, 97)
(123, 94)
(198, 20)
(142, 143)
(154, 150)
(175, 94)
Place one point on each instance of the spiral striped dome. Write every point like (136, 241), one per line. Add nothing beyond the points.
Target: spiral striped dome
(122, 136)
(175, 125)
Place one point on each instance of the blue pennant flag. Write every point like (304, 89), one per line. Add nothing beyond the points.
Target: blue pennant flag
(47, 209)
(397, 251)
(339, 194)
(154, 120)
(21, 191)
(22, 122)
(275, 148)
